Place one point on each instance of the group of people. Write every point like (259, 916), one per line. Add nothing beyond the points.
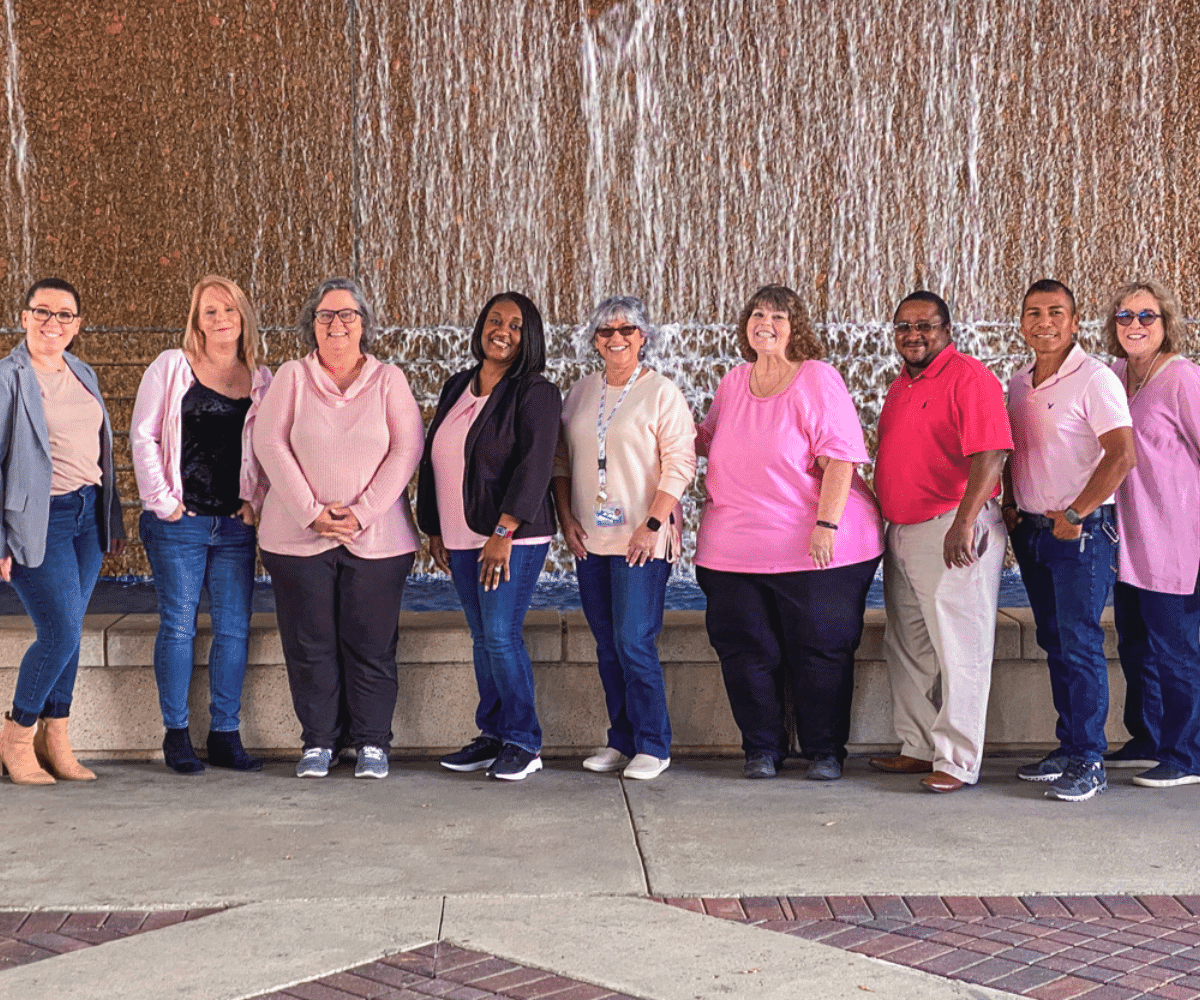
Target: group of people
(312, 468)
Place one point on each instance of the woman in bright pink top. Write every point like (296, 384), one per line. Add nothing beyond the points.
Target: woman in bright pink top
(339, 436)
(790, 538)
(1156, 600)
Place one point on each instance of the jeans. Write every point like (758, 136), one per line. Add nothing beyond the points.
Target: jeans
(1158, 640)
(56, 595)
(769, 629)
(1067, 583)
(624, 608)
(186, 556)
(503, 671)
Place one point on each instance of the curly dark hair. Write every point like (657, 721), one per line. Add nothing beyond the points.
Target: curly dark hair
(802, 344)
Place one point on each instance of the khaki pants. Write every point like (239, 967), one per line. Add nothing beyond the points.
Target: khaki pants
(941, 631)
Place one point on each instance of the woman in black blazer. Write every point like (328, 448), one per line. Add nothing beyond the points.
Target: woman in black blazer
(484, 500)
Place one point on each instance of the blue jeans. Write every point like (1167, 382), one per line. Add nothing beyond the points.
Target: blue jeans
(1158, 640)
(503, 670)
(186, 556)
(56, 595)
(624, 608)
(1067, 583)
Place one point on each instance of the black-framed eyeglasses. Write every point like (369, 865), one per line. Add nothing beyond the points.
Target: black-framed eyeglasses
(903, 329)
(1146, 317)
(43, 315)
(604, 332)
(347, 316)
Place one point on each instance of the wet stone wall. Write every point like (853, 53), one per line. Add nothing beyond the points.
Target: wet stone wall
(683, 150)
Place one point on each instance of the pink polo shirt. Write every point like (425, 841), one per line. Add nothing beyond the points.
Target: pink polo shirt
(930, 427)
(1056, 429)
(1158, 501)
(763, 482)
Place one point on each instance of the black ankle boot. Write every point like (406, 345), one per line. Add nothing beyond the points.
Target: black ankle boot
(179, 754)
(226, 750)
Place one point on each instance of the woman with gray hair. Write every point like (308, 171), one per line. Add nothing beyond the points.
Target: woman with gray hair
(339, 436)
(626, 455)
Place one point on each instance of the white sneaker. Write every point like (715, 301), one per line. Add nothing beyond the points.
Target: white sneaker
(644, 767)
(607, 759)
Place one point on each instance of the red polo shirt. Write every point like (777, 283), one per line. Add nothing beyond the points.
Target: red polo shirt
(930, 427)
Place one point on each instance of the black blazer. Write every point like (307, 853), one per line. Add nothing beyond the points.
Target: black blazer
(509, 456)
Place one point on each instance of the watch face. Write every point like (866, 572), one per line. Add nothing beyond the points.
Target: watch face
(1071, 516)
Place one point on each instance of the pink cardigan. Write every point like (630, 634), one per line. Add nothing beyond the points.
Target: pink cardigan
(320, 446)
(156, 434)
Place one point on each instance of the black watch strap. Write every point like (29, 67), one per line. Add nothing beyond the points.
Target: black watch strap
(653, 523)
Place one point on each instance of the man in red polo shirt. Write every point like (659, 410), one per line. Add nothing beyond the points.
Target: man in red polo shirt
(943, 439)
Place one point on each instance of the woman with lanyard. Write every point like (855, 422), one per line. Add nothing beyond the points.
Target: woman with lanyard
(617, 485)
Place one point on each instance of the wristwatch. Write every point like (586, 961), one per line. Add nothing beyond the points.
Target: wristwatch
(502, 531)
(1071, 517)
(653, 523)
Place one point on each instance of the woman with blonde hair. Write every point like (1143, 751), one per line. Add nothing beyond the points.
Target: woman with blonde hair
(201, 489)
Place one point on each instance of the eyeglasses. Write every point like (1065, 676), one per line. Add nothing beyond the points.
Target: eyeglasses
(604, 332)
(347, 316)
(1146, 317)
(903, 329)
(45, 315)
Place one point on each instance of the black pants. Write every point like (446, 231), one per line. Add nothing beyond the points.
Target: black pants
(339, 619)
(772, 628)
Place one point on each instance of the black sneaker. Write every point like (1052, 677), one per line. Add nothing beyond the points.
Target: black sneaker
(759, 765)
(475, 756)
(1128, 756)
(1166, 776)
(1079, 781)
(515, 763)
(1049, 768)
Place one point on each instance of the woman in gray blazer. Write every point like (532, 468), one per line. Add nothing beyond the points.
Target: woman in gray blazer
(61, 514)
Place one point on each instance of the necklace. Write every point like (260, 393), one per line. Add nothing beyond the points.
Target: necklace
(1144, 378)
(775, 386)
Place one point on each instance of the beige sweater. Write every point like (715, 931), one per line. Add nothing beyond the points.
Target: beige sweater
(650, 447)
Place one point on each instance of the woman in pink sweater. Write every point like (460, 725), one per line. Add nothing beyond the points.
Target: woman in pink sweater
(339, 436)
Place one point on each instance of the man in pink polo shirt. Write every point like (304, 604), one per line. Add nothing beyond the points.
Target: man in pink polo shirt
(1073, 445)
(943, 439)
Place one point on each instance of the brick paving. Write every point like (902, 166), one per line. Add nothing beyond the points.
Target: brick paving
(31, 936)
(1046, 947)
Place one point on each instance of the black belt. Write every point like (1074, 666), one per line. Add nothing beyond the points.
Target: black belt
(1042, 521)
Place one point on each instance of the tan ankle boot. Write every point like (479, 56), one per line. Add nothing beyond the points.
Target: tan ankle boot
(54, 753)
(17, 757)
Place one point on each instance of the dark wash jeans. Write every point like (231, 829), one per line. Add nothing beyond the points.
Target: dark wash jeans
(503, 670)
(1158, 640)
(624, 609)
(1067, 583)
(56, 595)
(188, 555)
(772, 628)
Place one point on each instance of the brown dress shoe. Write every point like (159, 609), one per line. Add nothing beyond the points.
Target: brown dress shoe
(940, 781)
(900, 764)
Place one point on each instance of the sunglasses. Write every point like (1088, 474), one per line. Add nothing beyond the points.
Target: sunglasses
(604, 332)
(1146, 317)
(903, 329)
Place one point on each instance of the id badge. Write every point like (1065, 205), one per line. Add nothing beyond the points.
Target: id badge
(609, 515)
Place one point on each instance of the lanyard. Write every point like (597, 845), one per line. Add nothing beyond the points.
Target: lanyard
(602, 429)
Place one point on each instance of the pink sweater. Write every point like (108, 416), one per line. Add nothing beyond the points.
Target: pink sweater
(156, 434)
(319, 446)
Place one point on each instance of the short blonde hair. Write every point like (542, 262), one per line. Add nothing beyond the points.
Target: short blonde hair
(248, 345)
(1168, 306)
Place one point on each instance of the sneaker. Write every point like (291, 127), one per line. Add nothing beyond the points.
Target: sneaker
(759, 765)
(1049, 768)
(1128, 756)
(1079, 781)
(372, 763)
(824, 767)
(643, 767)
(515, 763)
(314, 763)
(475, 756)
(606, 759)
(1165, 776)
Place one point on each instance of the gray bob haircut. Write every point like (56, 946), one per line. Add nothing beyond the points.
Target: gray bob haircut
(307, 319)
(619, 307)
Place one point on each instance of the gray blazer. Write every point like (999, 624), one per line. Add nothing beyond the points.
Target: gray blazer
(25, 465)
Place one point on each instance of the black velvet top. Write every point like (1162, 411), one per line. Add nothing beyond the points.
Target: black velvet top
(211, 463)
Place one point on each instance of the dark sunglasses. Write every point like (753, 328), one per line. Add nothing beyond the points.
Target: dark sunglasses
(1146, 317)
(604, 332)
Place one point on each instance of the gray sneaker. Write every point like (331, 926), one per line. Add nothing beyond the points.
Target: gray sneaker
(1079, 781)
(372, 763)
(824, 767)
(1049, 768)
(759, 765)
(314, 763)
